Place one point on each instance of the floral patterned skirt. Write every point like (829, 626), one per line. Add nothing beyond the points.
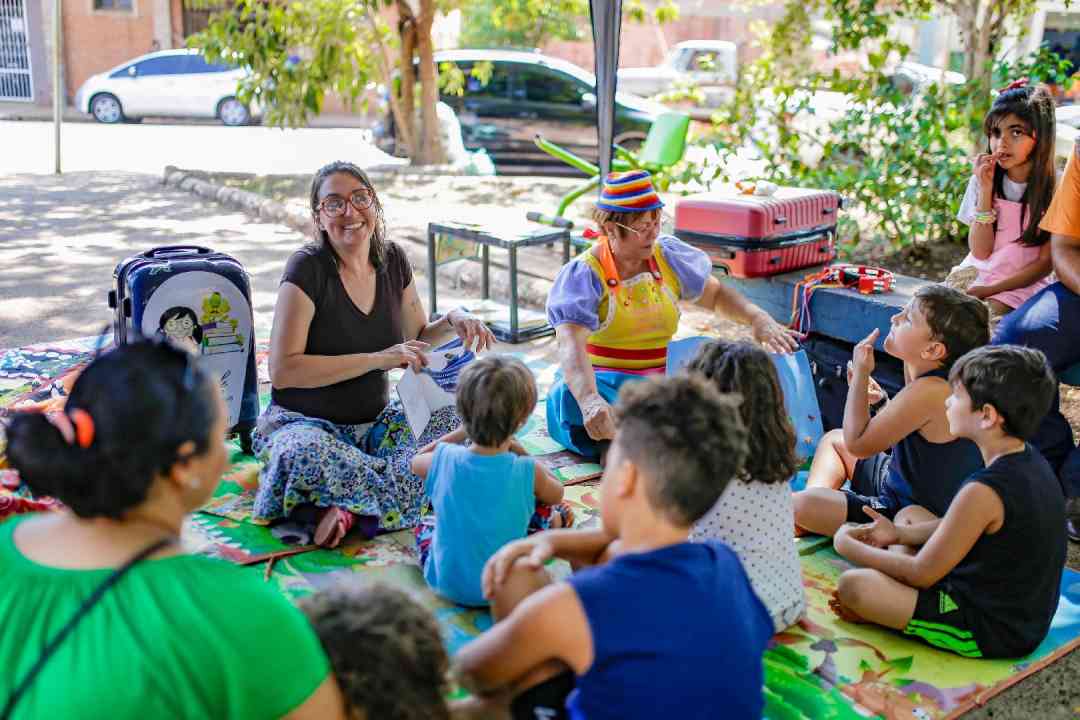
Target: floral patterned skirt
(361, 468)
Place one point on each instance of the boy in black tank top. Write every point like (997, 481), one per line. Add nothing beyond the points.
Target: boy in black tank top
(901, 462)
(987, 580)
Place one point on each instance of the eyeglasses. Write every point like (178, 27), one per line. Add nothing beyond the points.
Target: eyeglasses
(647, 225)
(334, 205)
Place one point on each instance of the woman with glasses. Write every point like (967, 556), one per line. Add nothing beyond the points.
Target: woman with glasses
(105, 615)
(616, 308)
(335, 449)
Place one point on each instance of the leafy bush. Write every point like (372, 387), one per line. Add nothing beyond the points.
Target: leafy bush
(902, 162)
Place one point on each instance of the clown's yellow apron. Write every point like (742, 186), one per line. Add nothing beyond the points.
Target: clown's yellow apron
(638, 318)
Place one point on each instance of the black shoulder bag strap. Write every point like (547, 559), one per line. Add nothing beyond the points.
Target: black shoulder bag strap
(88, 604)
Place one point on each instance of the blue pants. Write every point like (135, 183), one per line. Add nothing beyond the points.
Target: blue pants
(566, 425)
(1050, 321)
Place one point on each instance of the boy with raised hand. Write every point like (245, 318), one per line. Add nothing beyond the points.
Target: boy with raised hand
(645, 629)
(987, 579)
(902, 462)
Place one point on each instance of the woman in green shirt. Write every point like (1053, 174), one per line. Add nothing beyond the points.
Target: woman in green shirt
(136, 449)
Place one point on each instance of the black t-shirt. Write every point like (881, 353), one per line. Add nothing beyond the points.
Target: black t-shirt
(930, 474)
(340, 328)
(1012, 578)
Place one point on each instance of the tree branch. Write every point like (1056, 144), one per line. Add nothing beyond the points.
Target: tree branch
(386, 65)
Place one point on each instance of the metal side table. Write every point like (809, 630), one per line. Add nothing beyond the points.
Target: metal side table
(509, 238)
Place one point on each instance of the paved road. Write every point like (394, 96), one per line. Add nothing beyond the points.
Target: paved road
(27, 147)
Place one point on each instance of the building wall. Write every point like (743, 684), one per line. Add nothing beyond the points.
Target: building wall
(40, 60)
(96, 40)
(641, 46)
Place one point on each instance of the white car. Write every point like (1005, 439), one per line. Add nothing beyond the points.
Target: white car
(1068, 131)
(698, 62)
(168, 83)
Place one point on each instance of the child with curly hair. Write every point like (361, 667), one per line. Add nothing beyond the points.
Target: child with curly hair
(678, 444)
(385, 650)
(489, 493)
(754, 516)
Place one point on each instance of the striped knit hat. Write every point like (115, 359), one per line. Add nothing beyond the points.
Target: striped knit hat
(630, 191)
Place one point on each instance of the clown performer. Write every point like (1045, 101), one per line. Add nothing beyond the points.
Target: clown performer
(615, 308)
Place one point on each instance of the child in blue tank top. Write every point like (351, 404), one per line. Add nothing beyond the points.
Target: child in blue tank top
(644, 629)
(902, 462)
(986, 580)
(485, 495)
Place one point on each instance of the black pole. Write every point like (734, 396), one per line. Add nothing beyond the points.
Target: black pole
(606, 23)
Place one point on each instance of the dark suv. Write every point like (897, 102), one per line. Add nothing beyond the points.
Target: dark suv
(529, 93)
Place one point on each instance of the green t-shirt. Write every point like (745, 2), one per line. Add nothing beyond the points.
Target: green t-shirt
(177, 637)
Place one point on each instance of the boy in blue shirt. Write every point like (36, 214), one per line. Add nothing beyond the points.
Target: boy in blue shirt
(986, 582)
(485, 495)
(645, 630)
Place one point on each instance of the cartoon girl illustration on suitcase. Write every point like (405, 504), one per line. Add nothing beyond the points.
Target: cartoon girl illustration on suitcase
(181, 327)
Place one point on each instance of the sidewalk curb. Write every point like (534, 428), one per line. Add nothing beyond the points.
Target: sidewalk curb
(453, 277)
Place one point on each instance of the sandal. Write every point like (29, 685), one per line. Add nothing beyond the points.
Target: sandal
(333, 526)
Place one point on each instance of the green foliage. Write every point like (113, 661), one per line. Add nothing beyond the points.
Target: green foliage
(522, 23)
(528, 24)
(901, 161)
(295, 52)
(452, 78)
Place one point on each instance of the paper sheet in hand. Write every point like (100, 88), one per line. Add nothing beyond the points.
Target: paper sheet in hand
(433, 387)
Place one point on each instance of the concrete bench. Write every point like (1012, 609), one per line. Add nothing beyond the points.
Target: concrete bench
(839, 313)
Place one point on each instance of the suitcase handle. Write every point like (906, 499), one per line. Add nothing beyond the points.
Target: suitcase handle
(177, 250)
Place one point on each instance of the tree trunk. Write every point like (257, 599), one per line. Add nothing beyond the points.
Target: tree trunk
(430, 151)
(407, 91)
(974, 21)
(402, 120)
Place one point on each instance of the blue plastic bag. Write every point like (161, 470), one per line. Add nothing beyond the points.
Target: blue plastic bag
(796, 382)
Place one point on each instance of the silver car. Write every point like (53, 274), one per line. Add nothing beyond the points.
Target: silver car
(168, 83)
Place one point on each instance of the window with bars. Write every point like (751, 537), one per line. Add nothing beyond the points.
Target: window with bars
(127, 5)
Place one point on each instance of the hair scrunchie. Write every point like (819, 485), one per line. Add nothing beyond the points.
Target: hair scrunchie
(76, 426)
(1015, 84)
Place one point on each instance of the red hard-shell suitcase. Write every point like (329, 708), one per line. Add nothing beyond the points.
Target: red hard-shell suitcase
(755, 235)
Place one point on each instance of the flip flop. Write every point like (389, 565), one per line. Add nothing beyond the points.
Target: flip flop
(333, 526)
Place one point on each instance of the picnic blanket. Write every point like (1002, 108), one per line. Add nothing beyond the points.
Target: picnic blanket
(820, 668)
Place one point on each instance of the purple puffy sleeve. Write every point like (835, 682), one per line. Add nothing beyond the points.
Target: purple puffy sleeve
(691, 266)
(575, 296)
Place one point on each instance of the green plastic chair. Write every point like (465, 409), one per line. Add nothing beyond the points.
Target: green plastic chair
(664, 146)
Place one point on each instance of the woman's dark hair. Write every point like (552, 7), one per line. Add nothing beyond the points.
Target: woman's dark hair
(178, 312)
(385, 650)
(145, 399)
(1035, 107)
(377, 252)
(739, 367)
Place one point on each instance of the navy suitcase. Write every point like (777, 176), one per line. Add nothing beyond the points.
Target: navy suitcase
(201, 300)
(828, 363)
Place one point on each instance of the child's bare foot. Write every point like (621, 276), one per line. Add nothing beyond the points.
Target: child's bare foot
(845, 613)
(333, 526)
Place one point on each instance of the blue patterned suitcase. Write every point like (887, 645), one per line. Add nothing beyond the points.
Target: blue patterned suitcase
(201, 300)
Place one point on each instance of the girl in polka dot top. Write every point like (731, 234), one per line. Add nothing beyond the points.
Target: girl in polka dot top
(754, 516)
